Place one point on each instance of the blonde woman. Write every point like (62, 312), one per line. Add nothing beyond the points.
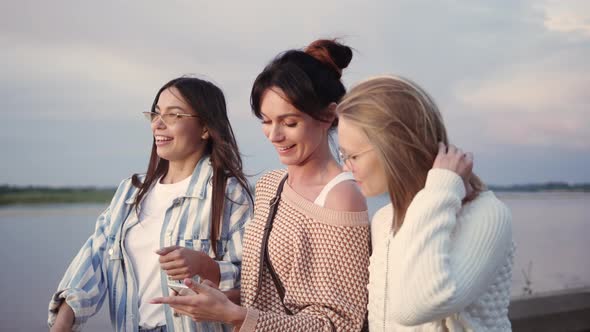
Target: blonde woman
(442, 250)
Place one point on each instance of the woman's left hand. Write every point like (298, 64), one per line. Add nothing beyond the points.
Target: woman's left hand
(179, 262)
(207, 304)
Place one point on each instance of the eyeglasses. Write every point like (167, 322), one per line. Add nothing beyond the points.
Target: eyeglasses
(350, 160)
(169, 119)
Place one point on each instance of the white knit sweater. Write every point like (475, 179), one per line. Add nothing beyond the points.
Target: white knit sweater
(449, 266)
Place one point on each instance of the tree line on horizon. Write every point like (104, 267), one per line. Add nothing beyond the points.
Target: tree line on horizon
(530, 187)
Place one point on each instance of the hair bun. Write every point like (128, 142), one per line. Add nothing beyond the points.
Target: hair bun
(330, 52)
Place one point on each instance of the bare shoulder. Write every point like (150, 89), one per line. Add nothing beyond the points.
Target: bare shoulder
(346, 196)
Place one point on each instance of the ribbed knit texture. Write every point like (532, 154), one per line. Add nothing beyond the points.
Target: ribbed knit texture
(449, 267)
(320, 255)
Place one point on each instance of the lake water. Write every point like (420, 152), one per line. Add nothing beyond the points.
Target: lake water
(552, 232)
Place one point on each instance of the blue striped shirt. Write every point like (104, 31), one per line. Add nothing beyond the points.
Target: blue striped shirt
(102, 265)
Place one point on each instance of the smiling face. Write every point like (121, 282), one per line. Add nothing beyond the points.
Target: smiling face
(296, 136)
(186, 138)
(367, 167)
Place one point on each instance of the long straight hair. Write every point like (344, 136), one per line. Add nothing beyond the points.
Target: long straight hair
(208, 101)
(404, 125)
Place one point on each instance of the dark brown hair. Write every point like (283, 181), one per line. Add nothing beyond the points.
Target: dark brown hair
(309, 79)
(208, 102)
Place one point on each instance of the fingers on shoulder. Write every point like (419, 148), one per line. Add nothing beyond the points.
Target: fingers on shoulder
(346, 196)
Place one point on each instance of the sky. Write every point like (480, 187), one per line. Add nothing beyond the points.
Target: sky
(511, 77)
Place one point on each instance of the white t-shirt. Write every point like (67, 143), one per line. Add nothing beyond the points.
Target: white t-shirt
(143, 240)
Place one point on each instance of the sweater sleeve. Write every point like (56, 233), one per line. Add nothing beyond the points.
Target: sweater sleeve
(328, 295)
(437, 267)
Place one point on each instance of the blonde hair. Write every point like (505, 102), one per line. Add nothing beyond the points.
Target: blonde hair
(404, 125)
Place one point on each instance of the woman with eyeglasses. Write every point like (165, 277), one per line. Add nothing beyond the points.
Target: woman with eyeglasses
(306, 250)
(184, 218)
(442, 249)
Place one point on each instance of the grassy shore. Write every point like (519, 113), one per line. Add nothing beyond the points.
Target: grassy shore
(46, 195)
(548, 186)
(43, 195)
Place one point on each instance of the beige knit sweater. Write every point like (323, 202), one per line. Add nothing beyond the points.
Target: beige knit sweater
(320, 255)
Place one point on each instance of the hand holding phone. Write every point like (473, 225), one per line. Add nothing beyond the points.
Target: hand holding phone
(176, 286)
(180, 288)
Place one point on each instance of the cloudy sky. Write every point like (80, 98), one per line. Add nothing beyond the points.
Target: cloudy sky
(511, 77)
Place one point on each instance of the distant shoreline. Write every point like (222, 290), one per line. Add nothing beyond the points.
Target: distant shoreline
(10, 195)
(543, 187)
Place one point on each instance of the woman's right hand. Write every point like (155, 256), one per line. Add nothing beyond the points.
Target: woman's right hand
(454, 159)
(64, 320)
(204, 304)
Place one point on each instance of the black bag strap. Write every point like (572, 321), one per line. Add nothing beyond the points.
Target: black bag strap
(264, 257)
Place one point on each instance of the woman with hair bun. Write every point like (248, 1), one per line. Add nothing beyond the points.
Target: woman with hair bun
(306, 252)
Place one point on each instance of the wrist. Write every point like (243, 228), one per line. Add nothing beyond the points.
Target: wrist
(236, 315)
(197, 259)
(194, 262)
(65, 315)
(62, 325)
(58, 327)
(208, 268)
(445, 179)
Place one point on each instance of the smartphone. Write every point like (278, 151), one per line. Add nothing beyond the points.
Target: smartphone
(177, 286)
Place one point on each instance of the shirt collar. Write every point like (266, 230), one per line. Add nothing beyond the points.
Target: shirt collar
(200, 179)
(197, 187)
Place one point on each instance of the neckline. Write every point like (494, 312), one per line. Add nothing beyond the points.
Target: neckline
(336, 180)
(322, 214)
(169, 187)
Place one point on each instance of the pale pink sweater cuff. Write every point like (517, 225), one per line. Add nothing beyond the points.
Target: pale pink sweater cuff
(249, 323)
